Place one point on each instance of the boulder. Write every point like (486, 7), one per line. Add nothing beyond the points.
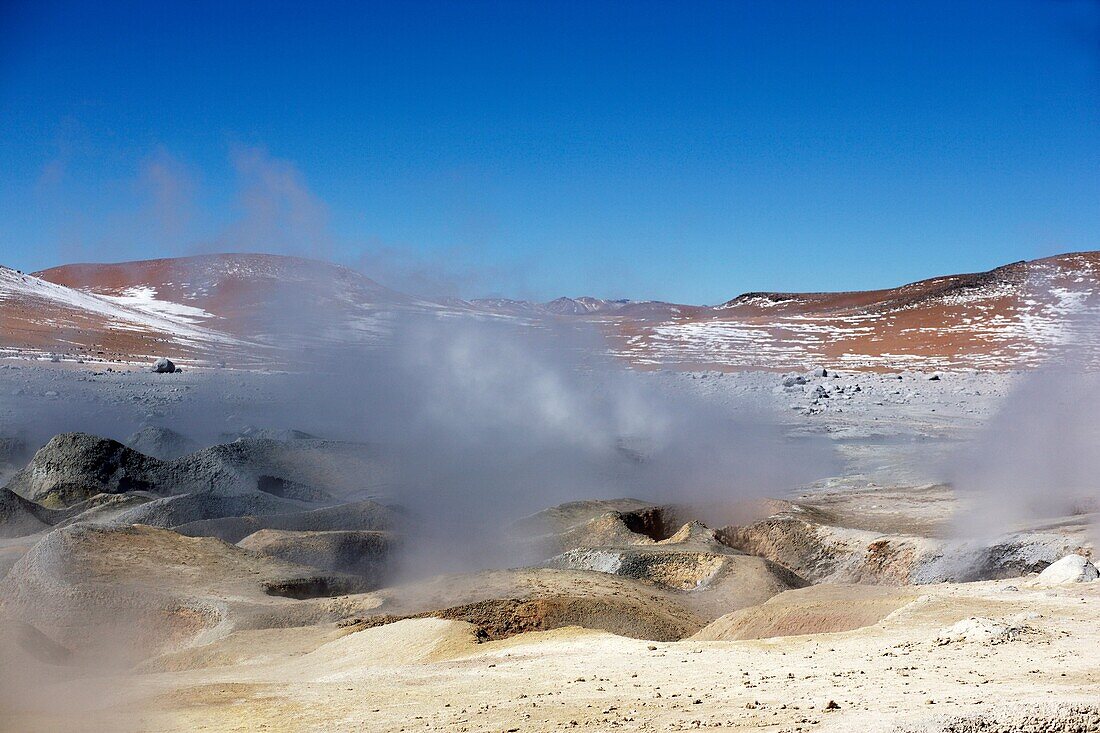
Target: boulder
(164, 365)
(1070, 569)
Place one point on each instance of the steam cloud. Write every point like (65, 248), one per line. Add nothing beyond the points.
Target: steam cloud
(1037, 458)
(487, 423)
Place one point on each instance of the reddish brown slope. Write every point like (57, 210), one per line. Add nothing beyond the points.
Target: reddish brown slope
(38, 318)
(240, 290)
(268, 307)
(1010, 317)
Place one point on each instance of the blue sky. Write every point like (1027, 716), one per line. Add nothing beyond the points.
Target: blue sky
(681, 151)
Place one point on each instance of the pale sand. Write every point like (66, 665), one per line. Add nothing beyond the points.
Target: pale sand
(430, 674)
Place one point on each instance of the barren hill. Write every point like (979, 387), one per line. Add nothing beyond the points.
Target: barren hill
(249, 309)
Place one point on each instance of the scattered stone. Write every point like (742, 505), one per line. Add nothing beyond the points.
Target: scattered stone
(982, 631)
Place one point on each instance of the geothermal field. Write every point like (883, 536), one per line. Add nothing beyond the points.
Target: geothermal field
(864, 511)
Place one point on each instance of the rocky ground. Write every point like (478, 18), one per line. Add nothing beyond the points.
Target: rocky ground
(196, 560)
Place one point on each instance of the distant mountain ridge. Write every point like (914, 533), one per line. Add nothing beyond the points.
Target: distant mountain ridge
(250, 309)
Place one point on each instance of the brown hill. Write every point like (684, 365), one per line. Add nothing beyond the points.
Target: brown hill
(255, 309)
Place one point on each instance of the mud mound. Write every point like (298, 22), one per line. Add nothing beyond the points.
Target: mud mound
(36, 644)
(287, 489)
(12, 448)
(13, 455)
(76, 466)
(501, 618)
(365, 554)
(161, 442)
(802, 541)
(359, 516)
(660, 523)
(807, 541)
(814, 610)
(20, 517)
(132, 591)
(577, 524)
(574, 514)
(250, 431)
(712, 578)
(611, 529)
(102, 508)
(315, 586)
(334, 467)
(618, 522)
(189, 508)
(506, 602)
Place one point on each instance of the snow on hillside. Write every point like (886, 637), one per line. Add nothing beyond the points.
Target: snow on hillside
(143, 298)
(140, 310)
(1011, 317)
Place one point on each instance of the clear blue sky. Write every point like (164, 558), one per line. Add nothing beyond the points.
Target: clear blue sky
(682, 151)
